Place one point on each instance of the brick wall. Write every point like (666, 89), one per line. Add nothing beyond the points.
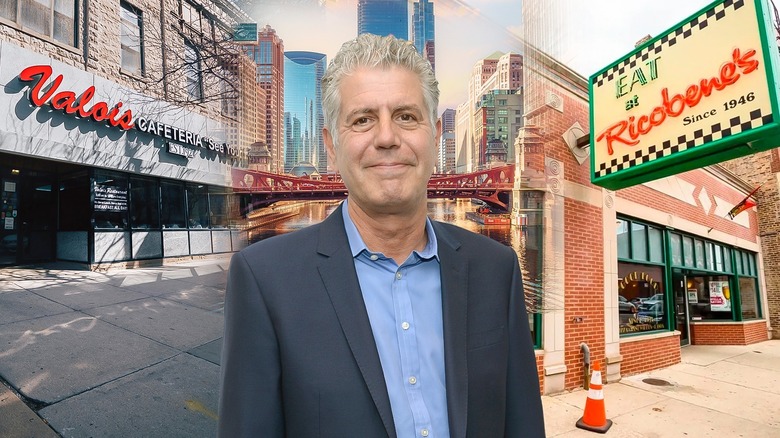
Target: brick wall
(762, 169)
(645, 355)
(714, 188)
(584, 287)
(729, 333)
(540, 371)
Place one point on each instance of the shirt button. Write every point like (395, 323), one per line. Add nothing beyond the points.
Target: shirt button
(424, 432)
(398, 275)
(405, 325)
(374, 257)
(412, 380)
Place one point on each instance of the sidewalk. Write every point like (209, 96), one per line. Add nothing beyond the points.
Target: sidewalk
(135, 353)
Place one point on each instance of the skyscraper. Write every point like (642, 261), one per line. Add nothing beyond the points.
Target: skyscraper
(423, 30)
(303, 110)
(447, 142)
(268, 55)
(384, 17)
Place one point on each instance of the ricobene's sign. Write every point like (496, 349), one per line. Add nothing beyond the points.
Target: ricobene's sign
(698, 94)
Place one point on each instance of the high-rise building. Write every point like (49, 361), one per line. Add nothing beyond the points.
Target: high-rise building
(423, 30)
(268, 55)
(384, 17)
(303, 116)
(490, 117)
(447, 142)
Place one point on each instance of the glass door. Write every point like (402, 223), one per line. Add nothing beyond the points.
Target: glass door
(680, 306)
(37, 218)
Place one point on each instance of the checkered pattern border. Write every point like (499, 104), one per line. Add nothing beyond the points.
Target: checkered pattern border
(684, 142)
(715, 13)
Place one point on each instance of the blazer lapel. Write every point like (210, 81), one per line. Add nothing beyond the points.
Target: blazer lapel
(454, 281)
(337, 271)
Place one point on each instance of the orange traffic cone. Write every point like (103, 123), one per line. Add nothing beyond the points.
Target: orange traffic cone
(595, 417)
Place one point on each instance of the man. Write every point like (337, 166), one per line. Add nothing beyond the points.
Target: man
(378, 322)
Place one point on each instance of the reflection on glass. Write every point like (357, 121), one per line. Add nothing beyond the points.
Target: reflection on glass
(622, 239)
(748, 293)
(641, 298)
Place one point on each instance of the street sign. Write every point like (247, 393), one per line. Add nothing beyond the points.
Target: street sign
(700, 93)
(245, 32)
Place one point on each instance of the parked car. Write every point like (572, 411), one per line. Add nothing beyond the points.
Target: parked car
(651, 312)
(625, 306)
(638, 301)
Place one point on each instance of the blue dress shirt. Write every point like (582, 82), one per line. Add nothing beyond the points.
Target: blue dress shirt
(405, 310)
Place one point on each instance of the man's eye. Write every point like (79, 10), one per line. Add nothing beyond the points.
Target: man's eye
(360, 121)
(407, 118)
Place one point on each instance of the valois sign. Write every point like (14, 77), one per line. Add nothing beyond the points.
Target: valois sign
(701, 93)
(114, 115)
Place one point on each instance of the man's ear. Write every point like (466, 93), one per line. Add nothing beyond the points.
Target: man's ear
(330, 148)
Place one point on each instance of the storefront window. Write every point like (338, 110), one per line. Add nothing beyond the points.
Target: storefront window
(712, 299)
(144, 204)
(219, 210)
(710, 256)
(173, 206)
(676, 249)
(109, 201)
(749, 298)
(641, 299)
(656, 244)
(727, 259)
(198, 206)
(638, 241)
(74, 203)
(622, 239)
(688, 251)
(699, 254)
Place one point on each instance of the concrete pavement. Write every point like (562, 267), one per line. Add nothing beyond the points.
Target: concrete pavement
(135, 353)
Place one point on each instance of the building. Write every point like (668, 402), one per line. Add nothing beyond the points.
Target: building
(498, 116)
(268, 55)
(632, 275)
(245, 106)
(303, 118)
(384, 17)
(137, 166)
(423, 30)
(446, 153)
(498, 74)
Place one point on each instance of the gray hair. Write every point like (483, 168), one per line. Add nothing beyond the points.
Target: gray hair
(368, 50)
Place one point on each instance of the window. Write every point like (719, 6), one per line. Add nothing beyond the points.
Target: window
(198, 206)
(656, 243)
(641, 298)
(748, 293)
(110, 201)
(55, 19)
(192, 72)
(131, 39)
(74, 202)
(622, 239)
(144, 204)
(688, 251)
(638, 241)
(219, 210)
(173, 205)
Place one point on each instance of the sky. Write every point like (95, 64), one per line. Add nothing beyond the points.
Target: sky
(600, 31)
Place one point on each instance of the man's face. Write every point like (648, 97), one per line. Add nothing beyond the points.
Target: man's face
(386, 151)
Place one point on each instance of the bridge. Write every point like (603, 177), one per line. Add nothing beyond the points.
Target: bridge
(261, 189)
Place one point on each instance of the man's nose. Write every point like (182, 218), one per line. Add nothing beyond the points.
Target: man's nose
(386, 133)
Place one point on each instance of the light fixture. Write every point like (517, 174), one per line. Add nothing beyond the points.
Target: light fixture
(14, 171)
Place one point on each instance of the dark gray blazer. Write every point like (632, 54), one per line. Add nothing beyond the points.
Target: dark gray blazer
(299, 359)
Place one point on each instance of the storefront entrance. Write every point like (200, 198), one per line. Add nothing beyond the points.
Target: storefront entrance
(29, 217)
(28, 209)
(681, 319)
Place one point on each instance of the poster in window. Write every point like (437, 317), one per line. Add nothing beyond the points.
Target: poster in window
(720, 296)
(693, 296)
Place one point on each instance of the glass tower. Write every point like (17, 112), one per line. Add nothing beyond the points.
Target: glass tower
(423, 30)
(384, 17)
(303, 118)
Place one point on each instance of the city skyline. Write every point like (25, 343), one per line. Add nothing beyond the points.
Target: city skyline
(600, 32)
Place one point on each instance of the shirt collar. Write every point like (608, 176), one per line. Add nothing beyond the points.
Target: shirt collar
(357, 245)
